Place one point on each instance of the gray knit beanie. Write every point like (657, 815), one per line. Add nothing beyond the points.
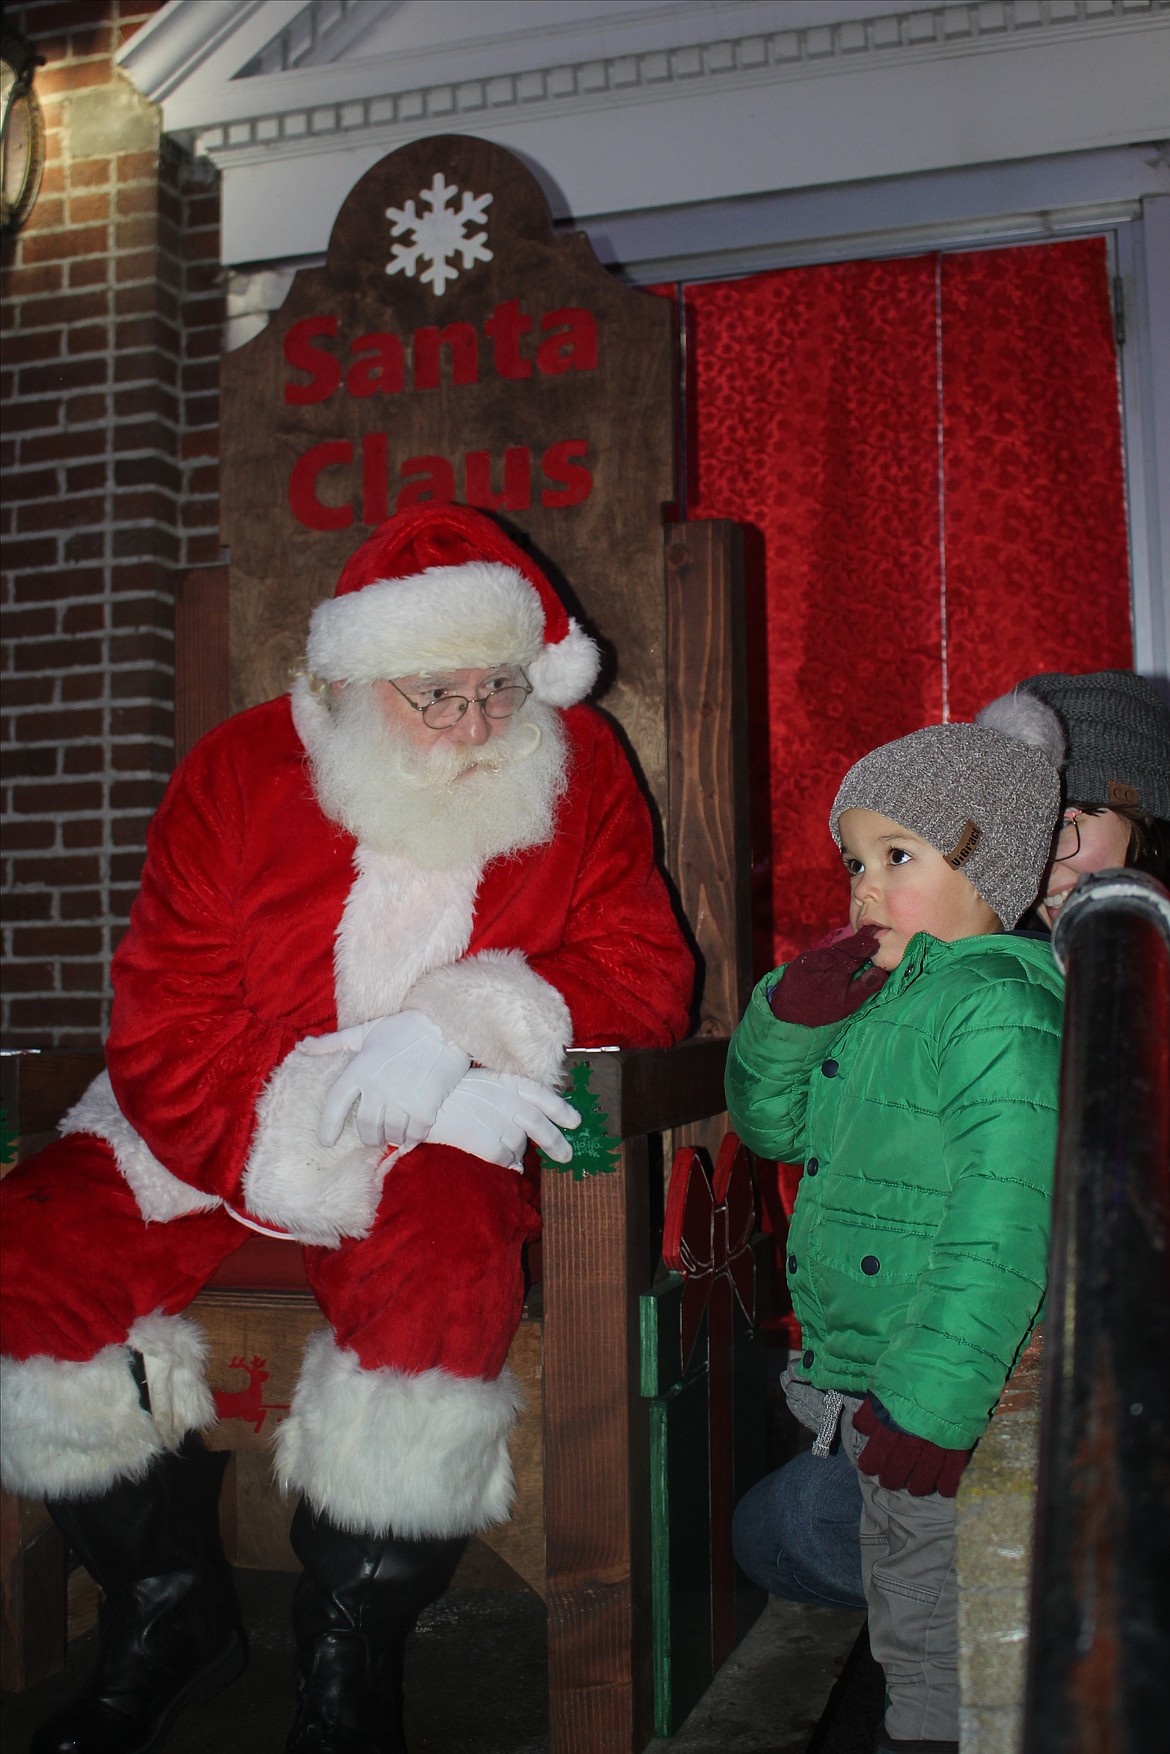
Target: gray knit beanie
(986, 795)
(1117, 728)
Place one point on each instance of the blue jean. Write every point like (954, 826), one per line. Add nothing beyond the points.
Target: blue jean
(798, 1532)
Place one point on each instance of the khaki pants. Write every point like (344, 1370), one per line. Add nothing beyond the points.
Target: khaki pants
(908, 1573)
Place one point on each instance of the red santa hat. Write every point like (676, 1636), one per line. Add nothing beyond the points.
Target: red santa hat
(441, 587)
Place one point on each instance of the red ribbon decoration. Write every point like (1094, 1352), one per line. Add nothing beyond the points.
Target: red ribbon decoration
(708, 1230)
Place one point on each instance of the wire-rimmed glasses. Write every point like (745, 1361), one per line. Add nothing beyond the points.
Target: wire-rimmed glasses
(503, 696)
(1066, 843)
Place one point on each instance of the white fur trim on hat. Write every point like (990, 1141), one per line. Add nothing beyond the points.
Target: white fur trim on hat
(74, 1430)
(449, 618)
(446, 618)
(374, 1450)
(161, 1196)
(500, 1011)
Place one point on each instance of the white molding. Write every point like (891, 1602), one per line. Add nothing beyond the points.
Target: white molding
(300, 109)
(184, 45)
(1144, 269)
(696, 100)
(963, 206)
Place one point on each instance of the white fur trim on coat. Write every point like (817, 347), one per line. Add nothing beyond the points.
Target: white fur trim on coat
(375, 1450)
(74, 1430)
(161, 1196)
(498, 1010)
(317, 1193)
(399, 921)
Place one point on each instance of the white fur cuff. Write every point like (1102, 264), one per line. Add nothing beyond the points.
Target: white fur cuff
(317, 1193)
(74, 1430)
(161, 1196)
(377, 1450)
(500, 1012)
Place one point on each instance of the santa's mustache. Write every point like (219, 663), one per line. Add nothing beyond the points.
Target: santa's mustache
(445, 764)
(444, 805)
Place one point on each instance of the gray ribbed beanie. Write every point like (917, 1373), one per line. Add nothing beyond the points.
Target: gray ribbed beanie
(1117, 728)
(986, 795)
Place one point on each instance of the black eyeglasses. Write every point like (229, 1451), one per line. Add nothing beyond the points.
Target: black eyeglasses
(504, 696)
(1066, 842)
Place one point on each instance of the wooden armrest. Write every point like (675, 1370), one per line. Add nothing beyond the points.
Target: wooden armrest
(643, 1090)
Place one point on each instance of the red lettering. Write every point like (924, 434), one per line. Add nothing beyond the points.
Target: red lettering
(517, 494)
(571, 344)
(435, 480)
(505, 326)
(383, 370)
(302, 487)
(559, 465)
(323, 367)
(375, 478)
(463, 341)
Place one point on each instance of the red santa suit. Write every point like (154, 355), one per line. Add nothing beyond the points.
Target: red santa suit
(261, 925)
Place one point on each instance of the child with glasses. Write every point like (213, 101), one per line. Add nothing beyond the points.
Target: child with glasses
(912, 1066)
(1116, 780)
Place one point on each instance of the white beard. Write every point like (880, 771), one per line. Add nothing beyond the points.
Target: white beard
(447, 808)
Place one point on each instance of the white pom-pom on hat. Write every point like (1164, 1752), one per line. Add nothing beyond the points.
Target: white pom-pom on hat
(1028, 720)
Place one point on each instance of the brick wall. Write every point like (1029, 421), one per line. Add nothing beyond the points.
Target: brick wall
(112, 311)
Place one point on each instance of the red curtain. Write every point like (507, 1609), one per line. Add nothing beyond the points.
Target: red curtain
(926, 457)
(1037, 553)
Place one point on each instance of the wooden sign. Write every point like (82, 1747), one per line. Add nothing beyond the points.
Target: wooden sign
(454, 348)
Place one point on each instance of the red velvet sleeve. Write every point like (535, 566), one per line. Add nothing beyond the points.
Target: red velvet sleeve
(193, 1036)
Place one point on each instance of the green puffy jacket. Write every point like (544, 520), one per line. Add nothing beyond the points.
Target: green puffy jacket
(926, 1122)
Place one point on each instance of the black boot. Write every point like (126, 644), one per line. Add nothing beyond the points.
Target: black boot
(169, 1630)
(357, 1600)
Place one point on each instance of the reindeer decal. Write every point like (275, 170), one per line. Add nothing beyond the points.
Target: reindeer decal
(248, 1403)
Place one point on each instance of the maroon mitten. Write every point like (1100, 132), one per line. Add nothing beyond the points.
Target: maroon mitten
(901, 1461)
(828, 982)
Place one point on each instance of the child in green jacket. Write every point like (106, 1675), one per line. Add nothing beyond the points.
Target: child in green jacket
(912, 1065)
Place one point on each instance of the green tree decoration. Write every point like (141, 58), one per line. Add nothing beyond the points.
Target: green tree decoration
(595, 1151)
(7, 1139)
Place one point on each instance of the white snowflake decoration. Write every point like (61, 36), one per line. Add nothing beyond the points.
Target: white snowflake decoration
(439, 234)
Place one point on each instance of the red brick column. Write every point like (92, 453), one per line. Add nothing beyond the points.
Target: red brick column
(111, 310)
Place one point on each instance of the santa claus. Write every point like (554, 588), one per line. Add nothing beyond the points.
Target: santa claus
(374, 914)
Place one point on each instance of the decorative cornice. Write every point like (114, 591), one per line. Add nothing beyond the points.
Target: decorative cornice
(960, 27)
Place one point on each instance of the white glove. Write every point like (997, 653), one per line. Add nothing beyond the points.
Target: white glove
(493, 1115)
(402, 1071)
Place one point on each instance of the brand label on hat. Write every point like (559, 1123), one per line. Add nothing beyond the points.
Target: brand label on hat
(1117, 792)
(965, 845)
